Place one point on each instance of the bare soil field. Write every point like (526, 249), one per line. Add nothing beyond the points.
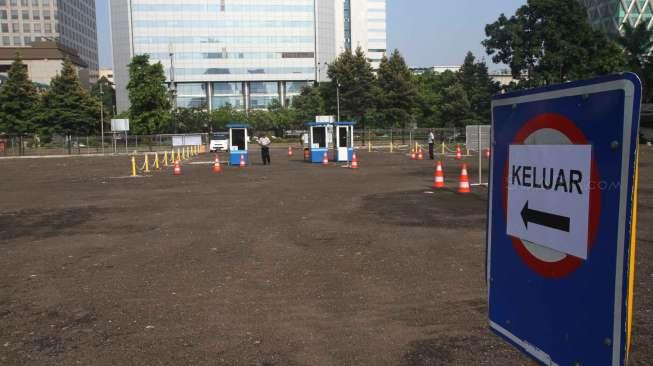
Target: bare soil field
(288, 264)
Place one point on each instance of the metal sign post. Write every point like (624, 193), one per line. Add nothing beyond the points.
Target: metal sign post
(561, 219)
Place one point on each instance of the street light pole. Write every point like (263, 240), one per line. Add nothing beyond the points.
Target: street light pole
(338, 98)
(102, 116)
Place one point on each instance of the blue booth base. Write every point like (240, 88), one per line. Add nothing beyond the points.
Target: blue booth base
(350, 155)
(234, 157)
(318, 154)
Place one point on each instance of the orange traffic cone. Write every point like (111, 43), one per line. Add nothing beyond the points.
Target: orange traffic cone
(307, 154)
(420, 155)
(412, 154)
(354, 162)
(242, 161)
(463, 187)
(438, 176)
(216, 165)
(289, 151)
(459, 153)
(325, 159)
(487, 153)
(177, 168)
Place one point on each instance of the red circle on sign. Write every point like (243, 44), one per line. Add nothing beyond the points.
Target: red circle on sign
(569, 263)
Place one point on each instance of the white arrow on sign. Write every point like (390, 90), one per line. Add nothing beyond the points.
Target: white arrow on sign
(548, 196)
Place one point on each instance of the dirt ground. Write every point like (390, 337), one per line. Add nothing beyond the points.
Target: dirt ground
(288, 264)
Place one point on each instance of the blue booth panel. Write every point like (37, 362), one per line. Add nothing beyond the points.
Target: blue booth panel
(234, 157)
(317, 154)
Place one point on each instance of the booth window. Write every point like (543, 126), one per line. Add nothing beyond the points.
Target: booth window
(238, 138)
(319, 136)
(343, 137)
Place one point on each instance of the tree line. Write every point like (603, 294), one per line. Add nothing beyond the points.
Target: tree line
(544, 42)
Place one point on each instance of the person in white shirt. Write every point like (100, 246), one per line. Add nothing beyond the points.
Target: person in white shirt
(264, 141)
(431, 142)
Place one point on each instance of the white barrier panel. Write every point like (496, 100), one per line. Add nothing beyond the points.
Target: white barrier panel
(472, 137)
(186, 140)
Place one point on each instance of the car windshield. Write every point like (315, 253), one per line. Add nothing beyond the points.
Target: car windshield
(220, 136)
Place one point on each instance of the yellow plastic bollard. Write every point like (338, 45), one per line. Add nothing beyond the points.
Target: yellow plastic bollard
(172, 155)
(178, 155)
(165, 158)
(147, 162)
(442, 147)
(369, 146)
(391, 147)
(156, 161)
(133, 166)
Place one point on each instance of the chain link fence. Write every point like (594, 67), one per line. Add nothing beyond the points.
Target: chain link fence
(35, 145)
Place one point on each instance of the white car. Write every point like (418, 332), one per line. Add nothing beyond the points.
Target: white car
(219, 141)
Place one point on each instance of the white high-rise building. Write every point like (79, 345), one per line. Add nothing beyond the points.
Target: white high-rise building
(246, 53)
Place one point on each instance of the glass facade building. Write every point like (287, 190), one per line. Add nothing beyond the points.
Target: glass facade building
(71, 23)
(245, 53)
(611, 15)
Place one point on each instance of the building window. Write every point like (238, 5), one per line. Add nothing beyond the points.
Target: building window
(4, 27)
(3, 14)
(46, 14)
(37, 27)
(14, 14)
(26, 28)
(48, 28)
(36, 14)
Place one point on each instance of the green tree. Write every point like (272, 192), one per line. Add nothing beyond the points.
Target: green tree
(354, 75)
(148, 96)
(309, 103)
(187, 120)
(19, 101)
(637, 43)
(397, 92)
(431, 86)
(455, 110)
(67, 108)
(550, 41)
(479, 87)
(103, 90)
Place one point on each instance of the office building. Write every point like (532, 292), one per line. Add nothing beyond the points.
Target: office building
(611, 15)
(245, 53)
(107, 74)
(70, 22)
(44, 60)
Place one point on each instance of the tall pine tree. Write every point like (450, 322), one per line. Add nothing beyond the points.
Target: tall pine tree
(354, 74)
(479, 88)
(397, 92)
(148, 96)
(19, 101)
(69, 109)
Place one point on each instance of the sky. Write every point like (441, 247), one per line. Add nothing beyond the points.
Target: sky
(426, 32)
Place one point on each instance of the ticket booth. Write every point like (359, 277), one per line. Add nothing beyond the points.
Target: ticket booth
(318, 134)
(238, 143)
(344, 132)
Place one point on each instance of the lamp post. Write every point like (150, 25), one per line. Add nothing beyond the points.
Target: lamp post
(338, 98)
(102, 116)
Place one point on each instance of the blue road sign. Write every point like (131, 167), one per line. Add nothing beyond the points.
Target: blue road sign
(560, 219)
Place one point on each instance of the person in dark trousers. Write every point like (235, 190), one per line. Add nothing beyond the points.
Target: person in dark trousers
(431, 141)
(264, 141)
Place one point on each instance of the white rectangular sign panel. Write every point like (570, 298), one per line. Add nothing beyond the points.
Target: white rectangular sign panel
(119, 124)
(548, 196)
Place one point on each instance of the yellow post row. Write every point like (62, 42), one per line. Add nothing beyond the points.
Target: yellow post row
(133, 166)
(631, 264)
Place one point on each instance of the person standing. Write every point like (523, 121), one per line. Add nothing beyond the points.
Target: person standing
(264, 141)
(431, 141)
